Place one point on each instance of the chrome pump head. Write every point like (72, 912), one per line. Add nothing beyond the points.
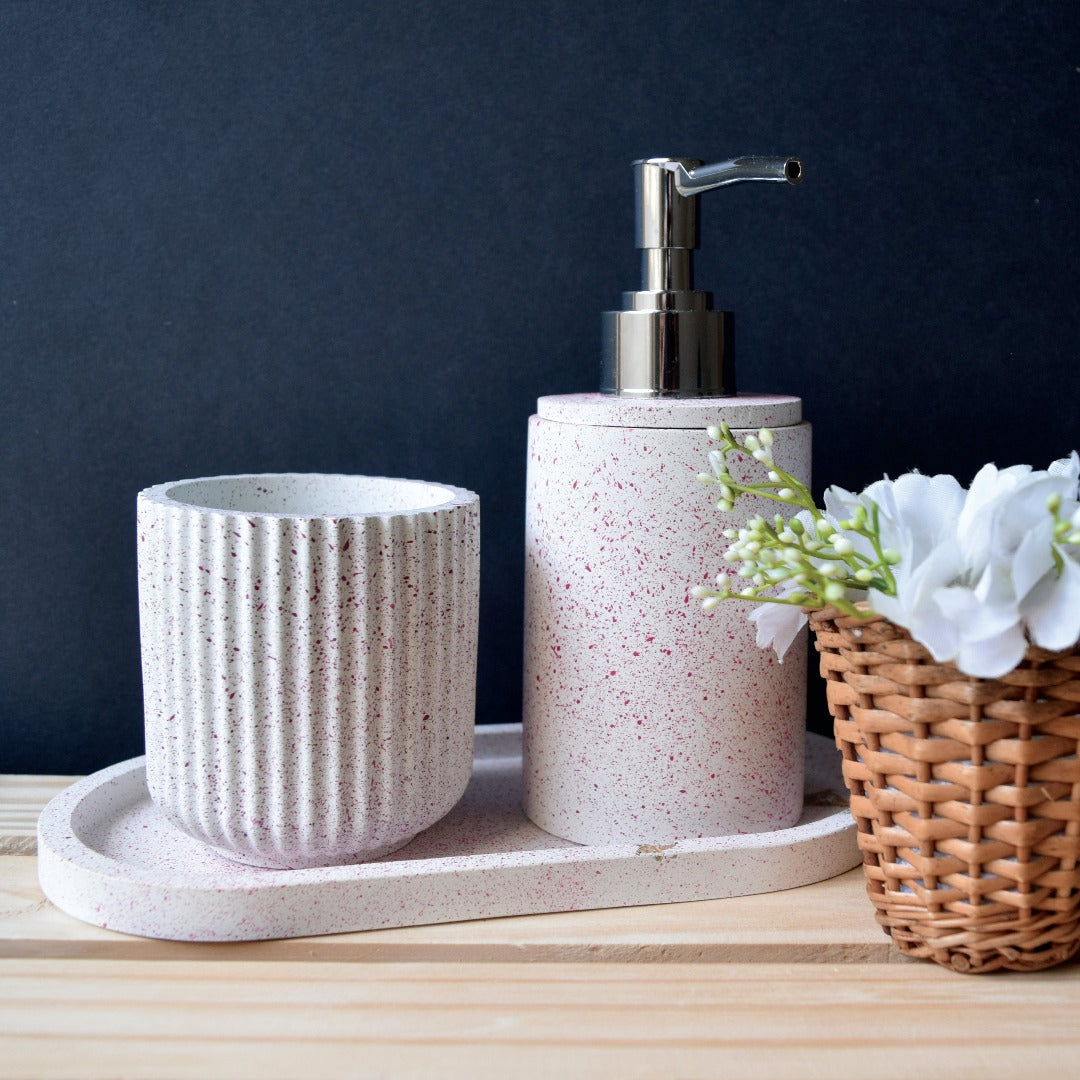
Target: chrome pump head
(667, 341)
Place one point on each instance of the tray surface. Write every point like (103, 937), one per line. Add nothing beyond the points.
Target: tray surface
(107, 856)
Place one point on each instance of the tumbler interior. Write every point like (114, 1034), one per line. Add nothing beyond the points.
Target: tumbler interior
(310, 495)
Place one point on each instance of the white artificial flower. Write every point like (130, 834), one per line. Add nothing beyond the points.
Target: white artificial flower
(917, 513)
(1005, 521)
(778, 625)
(977, 569)
(1051, 606)
(1006, 534)
(917, 518)
(974, 575)
(973, 578)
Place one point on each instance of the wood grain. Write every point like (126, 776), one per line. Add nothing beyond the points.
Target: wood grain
(22, 798)
(793, 984)
(94, 1018)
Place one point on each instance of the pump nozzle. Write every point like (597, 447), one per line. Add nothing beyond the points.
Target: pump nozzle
(667, 340)
(706, 177)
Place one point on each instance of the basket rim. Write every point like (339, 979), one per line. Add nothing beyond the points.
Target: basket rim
(842, 621)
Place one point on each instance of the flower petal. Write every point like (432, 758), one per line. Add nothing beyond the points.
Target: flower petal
(1068, 467)
(778, 625)
(1034, 557)
(991, 657)
(1052, 608)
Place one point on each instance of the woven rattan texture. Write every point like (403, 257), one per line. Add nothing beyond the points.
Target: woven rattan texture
(966, 793)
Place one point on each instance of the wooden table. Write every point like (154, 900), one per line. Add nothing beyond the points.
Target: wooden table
(793, 984)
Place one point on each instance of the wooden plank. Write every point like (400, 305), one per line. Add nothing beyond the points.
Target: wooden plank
(98, 1018)
(22, 799)
(830, 922)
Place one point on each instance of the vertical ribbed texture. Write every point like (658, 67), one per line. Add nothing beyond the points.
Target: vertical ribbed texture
(309, 683)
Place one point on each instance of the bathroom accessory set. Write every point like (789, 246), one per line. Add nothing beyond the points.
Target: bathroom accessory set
(309, 647)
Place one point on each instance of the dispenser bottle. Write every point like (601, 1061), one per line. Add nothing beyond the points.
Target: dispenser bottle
(645, 720)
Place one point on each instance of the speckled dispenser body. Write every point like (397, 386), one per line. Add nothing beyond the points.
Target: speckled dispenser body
(309, 658)
(645, 719)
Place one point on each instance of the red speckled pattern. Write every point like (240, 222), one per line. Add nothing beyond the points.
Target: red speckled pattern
(309, 677)
(646, 720)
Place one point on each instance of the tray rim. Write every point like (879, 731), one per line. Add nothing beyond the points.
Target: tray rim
(69, 867)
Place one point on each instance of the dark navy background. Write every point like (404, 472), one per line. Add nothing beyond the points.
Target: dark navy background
(364, 238)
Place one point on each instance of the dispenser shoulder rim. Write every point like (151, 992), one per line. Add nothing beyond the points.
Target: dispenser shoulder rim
(744, 410)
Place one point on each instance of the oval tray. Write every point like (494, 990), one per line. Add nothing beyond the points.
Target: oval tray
(108, 857)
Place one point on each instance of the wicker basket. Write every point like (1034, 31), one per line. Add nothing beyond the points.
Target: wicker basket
(966, 793)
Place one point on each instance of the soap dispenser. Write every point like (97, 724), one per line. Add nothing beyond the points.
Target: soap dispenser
(645, 720)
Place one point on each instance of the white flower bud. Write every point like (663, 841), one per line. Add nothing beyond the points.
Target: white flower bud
(713, 432)
(752, 443)
(711, 604)
(786, 493)
(699, 592)
(864, 575)
(834, 591)
(766, 436)
(842, 545)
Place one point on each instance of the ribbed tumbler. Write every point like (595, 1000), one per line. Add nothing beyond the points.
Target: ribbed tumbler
(309, 660)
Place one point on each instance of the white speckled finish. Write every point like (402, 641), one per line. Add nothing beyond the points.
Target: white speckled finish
(646, 720)
(752, 411)
(309, 658)
(108, 856)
